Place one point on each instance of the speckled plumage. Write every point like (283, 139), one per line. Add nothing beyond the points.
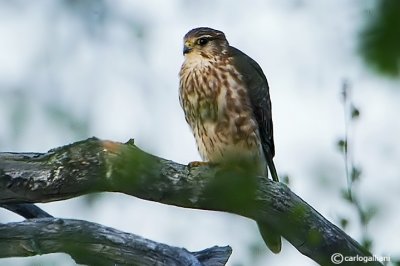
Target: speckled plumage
(219, 111)
(225, 98)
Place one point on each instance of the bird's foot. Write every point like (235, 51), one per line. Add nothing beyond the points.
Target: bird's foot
(197, 164)
(111, 146)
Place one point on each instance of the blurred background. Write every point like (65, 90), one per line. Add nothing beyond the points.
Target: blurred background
(72, 69)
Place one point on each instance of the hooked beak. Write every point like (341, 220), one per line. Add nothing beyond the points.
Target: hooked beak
(187, 47)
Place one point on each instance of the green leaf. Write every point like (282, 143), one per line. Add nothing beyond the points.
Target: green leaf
(366, 242)
(285, 179)
(342, 145)
(343, 223)
(355, 113)
(355, 174)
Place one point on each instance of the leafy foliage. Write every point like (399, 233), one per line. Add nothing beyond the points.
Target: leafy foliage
(380, 38)
(353, 172)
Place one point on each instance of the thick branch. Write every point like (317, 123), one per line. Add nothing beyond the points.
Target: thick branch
(93, 166)
(94, 244)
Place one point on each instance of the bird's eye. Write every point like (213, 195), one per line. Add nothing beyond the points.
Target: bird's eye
(202, 41)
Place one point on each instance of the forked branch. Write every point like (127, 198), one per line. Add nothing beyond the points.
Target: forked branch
(94, 166)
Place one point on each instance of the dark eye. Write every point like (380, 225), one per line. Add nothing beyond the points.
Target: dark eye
(202, 41)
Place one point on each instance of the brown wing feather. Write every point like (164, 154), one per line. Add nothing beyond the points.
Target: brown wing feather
(258, 90)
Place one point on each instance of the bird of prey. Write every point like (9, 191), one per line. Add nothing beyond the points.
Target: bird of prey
(225, 97)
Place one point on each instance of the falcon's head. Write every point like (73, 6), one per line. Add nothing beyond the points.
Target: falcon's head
(205, 42)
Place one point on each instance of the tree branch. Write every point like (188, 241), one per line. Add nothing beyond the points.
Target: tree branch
(94, 244)
(94, 166)
(26, 210)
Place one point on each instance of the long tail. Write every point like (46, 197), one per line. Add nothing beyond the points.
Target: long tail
(272, 169)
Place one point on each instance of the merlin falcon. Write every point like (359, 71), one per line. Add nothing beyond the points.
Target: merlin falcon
(225, 97)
